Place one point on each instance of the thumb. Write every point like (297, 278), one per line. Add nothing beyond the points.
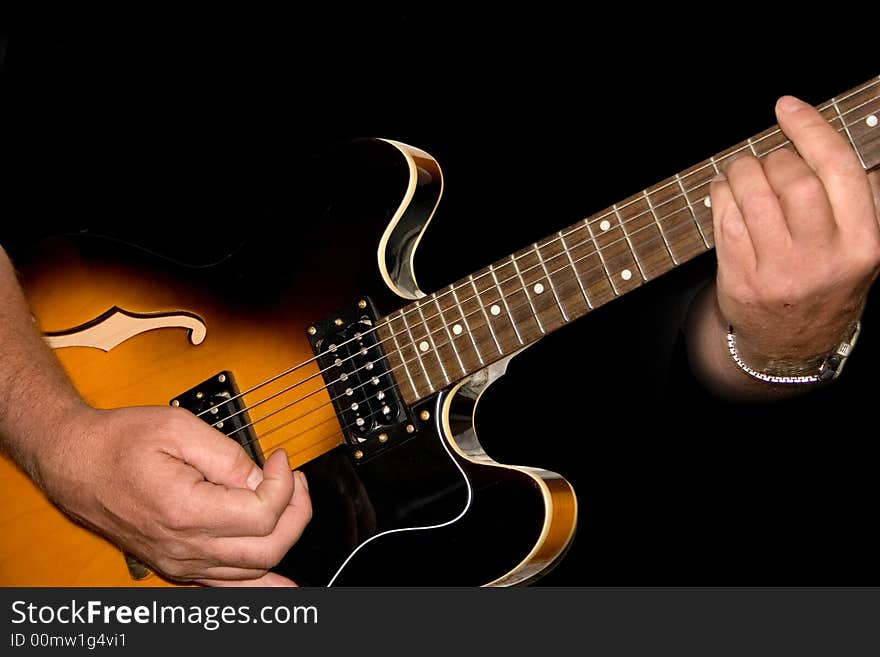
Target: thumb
(219, 458)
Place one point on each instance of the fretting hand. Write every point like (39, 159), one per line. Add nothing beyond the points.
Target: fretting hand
(798, 245)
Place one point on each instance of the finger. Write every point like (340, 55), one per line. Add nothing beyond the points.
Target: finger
(217, 457)
(267, 580)
(733, 246)
(834, 161)
(223, 511)
(266, 551)
(760, 208)
(802, 196)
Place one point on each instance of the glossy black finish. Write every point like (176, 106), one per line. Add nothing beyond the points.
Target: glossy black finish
(416, 484)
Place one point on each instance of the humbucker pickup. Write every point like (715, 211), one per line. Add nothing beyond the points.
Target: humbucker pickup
(368, 405)
(217, 402)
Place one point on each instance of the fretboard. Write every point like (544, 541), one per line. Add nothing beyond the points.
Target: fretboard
(460, 329)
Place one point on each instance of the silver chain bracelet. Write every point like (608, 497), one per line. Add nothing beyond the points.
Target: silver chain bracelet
(830, 368)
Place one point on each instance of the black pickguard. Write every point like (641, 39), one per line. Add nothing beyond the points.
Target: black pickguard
(415, 484)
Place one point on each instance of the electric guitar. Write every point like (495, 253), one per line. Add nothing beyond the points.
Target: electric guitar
(377, 409)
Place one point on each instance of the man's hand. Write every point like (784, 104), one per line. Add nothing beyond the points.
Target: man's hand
(798, 245)
(178, 494)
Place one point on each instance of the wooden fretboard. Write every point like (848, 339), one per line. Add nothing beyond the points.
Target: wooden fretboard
(446, 336)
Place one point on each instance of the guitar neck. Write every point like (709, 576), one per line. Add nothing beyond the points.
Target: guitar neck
(460, 329)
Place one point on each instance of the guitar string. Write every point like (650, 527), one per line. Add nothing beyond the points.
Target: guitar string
(445, 328)
(550, 304)
(588, 223)
(432, 333)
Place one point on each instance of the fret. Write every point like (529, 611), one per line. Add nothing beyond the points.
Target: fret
(659, 226)
(714, 165)
(768, 141)
(617, 255)
(847, 132)
(861, 112)
(404, 355)
(550, 279)
(725, 157)
(588, 264)
(434, 328)
(752, 147)
(577, 276)
(695, 182)
(644, 235)
(538, 288)
(525, 287)
(482, 309)
(693, 212)
(467, 326)
(421, 346)
(626, 236)
(557, 263)
(674, 210)
(459, 335)
(524, 318)
(506, 306)
(512, 303)
(598, 252)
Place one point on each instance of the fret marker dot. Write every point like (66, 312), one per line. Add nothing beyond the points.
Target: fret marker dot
(707, 201)
(457, 329)
(424, 346)
(626, 274)
(495, 309)
(872, 121)
(538, 288)
(604, 224)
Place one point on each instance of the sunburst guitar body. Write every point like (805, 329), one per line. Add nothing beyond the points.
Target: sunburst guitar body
(403, 493)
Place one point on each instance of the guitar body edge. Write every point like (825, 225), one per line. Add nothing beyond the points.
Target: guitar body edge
(492, 524)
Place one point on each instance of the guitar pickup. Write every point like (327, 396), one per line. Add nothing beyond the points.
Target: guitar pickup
(217, 402)
(361, 385)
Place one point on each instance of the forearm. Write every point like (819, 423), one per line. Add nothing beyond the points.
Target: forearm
(37, 399)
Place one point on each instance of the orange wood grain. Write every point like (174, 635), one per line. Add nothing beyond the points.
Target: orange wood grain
(40, 546)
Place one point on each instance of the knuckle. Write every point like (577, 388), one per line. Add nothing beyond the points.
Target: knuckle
(264, 523)
(736, 288)
(807, 188)
(177, 550)
(869, 258)
(743, 293)
(173, 568)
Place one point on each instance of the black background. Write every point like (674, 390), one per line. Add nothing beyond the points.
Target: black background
(165, 128)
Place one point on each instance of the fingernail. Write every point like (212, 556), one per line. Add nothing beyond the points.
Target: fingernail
(719, 177)
(255, 478)
(305, 482)
(788, 104)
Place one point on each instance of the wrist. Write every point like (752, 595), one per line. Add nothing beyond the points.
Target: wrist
(57, 446)
(816, 368)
